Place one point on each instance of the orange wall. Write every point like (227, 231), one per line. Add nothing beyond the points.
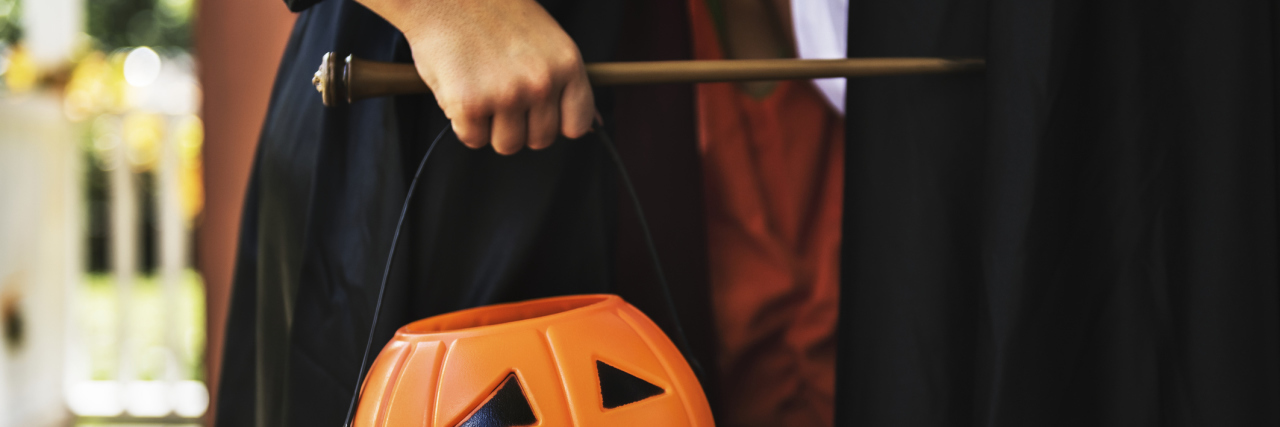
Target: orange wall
(238, 44)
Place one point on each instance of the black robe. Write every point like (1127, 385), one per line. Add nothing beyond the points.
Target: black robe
(1085, 234)
(328, 184)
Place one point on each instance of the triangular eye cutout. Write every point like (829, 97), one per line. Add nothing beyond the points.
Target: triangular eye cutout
(506, 407)
(619, 388)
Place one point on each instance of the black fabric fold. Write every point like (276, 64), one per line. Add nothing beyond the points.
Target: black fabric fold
(483, 229)
(300, 5)
(1083, 235)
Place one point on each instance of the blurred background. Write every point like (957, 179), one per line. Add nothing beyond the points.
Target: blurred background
(127, 128)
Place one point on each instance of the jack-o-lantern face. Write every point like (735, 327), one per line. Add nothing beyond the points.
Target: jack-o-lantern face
(590, 360)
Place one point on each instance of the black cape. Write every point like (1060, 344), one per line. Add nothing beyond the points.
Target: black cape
(328, 184)
(1085, 234)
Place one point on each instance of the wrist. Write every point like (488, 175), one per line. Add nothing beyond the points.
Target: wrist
(408, 16)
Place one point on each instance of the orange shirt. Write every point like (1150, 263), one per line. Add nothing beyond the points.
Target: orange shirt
(773, 173)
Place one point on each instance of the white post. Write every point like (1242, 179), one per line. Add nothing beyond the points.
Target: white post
(173, 248)
(51, 32)
(124, 260)
(50, 29)
(39, 193)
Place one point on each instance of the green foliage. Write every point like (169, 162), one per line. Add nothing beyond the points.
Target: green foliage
(10, 28)
(119, 23)
(124, 23)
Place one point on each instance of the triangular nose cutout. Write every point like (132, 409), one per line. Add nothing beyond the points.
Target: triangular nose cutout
(506, 407)
(619, 388)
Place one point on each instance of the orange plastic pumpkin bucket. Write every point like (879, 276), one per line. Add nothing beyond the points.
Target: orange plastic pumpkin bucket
(583, 360)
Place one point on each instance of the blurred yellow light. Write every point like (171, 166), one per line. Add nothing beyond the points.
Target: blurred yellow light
(142, 133)
(22, 74)
(94, 88)
(104, 139)
(190, 135)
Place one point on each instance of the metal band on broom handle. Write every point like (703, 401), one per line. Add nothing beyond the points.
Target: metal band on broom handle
(353, 79)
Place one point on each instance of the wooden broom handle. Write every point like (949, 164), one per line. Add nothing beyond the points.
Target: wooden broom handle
(354, 78)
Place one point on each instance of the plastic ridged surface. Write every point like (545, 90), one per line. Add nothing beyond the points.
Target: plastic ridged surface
(551, 347)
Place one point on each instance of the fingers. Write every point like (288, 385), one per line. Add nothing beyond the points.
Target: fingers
(534, 109)
(472, 130)
(504, 71)
(544, 124)
(509, 131)
(577, 108)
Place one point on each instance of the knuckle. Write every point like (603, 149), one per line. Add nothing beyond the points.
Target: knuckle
(474, 108)
(539, 84)
(463, 107)
(449, 98)
(510, 96)
(568, 58)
